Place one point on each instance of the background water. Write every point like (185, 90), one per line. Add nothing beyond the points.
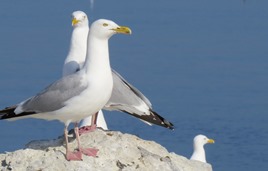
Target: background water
(203, 65)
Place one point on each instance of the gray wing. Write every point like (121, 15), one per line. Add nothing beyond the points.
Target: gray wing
(53, 97)
(127, 98)
(126, 94)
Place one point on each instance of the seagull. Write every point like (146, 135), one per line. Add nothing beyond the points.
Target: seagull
(75, 61)
(76, 96)
(125, 97)
(199, 153)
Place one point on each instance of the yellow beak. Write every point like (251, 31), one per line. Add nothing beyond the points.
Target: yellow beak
(122, 30)
(211, 141)
(74, 21)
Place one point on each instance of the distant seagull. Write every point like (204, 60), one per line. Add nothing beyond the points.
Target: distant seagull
(125, 97)
(76, 96)
(199, 153)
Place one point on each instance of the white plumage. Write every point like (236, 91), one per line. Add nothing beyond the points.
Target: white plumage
(199, 153)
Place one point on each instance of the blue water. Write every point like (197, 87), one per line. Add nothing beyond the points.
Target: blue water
(203, 65)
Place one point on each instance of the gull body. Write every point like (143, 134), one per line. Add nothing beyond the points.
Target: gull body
(77, 54)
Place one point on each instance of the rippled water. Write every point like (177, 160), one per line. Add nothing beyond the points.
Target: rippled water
(202, 64)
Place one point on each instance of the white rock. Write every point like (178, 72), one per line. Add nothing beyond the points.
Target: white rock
(117, 152)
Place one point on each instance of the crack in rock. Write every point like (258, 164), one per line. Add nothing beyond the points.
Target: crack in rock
(120, 165)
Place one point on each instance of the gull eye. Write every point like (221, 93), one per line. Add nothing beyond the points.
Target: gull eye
(85, 17)
(105, 24)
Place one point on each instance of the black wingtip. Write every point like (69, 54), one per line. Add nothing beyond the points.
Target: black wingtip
(153, 118)
(8, 113)
(169, 125)
(165, 123)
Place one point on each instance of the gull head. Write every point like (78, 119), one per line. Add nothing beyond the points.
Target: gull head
(199, 151)
(202, 140)
(79, 18)
(103, 28)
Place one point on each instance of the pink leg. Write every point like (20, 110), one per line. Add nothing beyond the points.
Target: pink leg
(92, 127)
(71, 155)
(87, 151)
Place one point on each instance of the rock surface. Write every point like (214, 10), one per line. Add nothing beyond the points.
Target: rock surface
(117, 152)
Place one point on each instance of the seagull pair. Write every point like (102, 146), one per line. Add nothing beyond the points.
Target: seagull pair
(87, 89)
(125, 97)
